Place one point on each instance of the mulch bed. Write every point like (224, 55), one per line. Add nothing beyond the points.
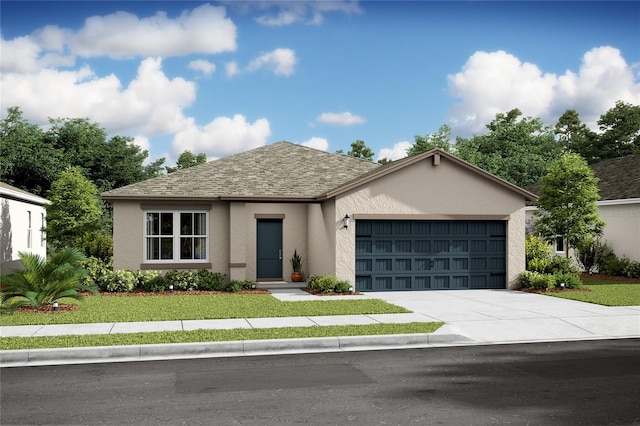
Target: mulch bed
(47, 309)
(138, 292)
(612, 278)
(319, 293)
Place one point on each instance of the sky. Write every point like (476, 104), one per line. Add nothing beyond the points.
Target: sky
(224, 77)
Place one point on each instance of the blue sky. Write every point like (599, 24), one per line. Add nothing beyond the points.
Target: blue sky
(223, 77)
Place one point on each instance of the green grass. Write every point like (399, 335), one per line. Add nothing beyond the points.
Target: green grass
(9, 343)
(605, 290)
(109, 308)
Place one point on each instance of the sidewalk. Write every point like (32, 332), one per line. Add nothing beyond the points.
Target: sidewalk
(470, 316)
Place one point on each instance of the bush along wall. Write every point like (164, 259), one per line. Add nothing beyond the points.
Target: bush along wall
(546, 271)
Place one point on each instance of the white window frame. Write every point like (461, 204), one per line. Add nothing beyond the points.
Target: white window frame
(29, 231)
(559, 239)
(176, 237)
(43, 235)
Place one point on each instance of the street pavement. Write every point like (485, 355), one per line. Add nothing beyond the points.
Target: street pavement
(471, 317)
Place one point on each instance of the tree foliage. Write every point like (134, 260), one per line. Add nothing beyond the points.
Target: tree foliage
(75, 208)
(516, 149)
(42, 282)
(439, 139)
(360, 150)
(567, 204)
(186, 160)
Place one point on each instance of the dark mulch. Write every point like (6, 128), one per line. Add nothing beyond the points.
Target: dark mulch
(316, 292)
(47, 309)
(553, 290)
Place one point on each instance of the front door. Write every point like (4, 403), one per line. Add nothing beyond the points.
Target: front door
(269, 243)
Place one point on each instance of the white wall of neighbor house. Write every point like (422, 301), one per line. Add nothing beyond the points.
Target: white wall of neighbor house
(424, 191)
(20, 231)
(622, 230)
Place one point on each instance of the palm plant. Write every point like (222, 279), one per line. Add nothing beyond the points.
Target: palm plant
(43, 281)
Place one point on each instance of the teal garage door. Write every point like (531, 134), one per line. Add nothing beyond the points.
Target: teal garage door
(430, 255)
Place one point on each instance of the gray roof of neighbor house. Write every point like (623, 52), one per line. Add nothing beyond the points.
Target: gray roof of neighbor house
(619, 178)
(281, 170)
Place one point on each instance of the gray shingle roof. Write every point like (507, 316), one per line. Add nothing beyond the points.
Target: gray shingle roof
(280, 170)
(619, 178)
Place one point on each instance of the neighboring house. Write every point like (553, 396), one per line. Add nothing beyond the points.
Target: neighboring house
(430, 221)
(22, 218)
(619, 204)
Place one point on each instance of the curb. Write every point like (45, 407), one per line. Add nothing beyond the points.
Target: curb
(102, 354)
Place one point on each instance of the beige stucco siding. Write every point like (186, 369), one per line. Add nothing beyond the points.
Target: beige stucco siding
(321, 240)
(423, 191)
(128, 222)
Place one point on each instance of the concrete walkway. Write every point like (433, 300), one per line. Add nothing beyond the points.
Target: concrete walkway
(471, 317)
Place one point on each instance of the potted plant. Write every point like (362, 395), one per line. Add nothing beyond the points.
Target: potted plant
(296, 265)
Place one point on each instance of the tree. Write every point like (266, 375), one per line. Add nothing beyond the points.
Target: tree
(360, 150)
(75, 208)
(43, 282)
(439, 139)
(385, 160)
(620, 131)
(27, 161)
(516, 149)
(576, 136)
(186, 160)
(567, 204)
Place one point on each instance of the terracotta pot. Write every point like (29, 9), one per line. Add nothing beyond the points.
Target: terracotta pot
(296, 277)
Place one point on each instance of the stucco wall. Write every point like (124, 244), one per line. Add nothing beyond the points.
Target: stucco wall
(321, 240)
(14, 222)
(128, 228)
(423, 191)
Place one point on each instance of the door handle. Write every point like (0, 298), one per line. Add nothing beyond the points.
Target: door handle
(280, 254)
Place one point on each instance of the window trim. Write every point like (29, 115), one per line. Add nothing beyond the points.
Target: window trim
(559, 238)
(176, 238)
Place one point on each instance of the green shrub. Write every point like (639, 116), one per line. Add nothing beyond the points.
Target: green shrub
(342, 287)
(209, 281)
(543, 281)
(182, 280)
(95, 245)
(570, 280)
(99, 272)
(156, 284)
(328, 284)
(122, 281)
(589, 251)
(537, 248)
(234, 286)
(613, 265)
(524, 279)
(145, 276)
(632, 270)
(541, 265)
(562, 265)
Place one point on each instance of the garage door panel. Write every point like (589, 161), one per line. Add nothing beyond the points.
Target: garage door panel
(424, 255)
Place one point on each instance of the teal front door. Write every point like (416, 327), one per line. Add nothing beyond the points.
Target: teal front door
(269, 249)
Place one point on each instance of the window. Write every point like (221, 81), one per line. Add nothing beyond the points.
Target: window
(559, 244)
(29, 229)
(43, 235)
(177, 236)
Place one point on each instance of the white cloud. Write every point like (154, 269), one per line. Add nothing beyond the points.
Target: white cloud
(304, 12)
(205, 67)
(204, 29)
(142, 141)
(231, 68)
(491, 83)
(151, 104)
(280, 61)
(222, 136)
(340, 119)
(317, 143)
(398, 151)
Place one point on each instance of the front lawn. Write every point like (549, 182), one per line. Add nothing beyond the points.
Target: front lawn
(165, 337)
(604, 290)
(113, 308)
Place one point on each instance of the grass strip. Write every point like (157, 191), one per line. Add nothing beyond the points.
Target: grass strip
(607, 295)
(164, 337)
(109, 308)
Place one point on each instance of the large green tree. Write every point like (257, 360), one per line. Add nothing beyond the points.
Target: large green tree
(439, 139)
(575, 135)
(619, 131)
(75, 209)
(567, 204)
(518, 149)
(359, 149)
(186, 160)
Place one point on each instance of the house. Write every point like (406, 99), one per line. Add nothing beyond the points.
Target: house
(430, 221)
(619, 204)
(22, 218)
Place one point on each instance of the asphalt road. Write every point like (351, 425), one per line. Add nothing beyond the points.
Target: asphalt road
(575, 383)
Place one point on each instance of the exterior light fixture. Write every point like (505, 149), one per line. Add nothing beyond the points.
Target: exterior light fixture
(345, 221)
(351, 289)
(55, 306)
(562, 286)
(171, 288)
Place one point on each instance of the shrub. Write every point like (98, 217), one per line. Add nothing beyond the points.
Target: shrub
(328, 284)
(182, 280)
(543, 281)
(234, 286)
(537, 248)
(541, 265)
(342, 287)
(561, 265)
(570, 280)
(95, 245)
(99, 272)
(155, 284)
(589, 251)
(209, 281)
(122, 281)
(612, 265)
(632, 270)
(524, 279)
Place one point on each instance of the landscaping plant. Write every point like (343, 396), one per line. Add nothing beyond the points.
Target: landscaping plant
(44, 281)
